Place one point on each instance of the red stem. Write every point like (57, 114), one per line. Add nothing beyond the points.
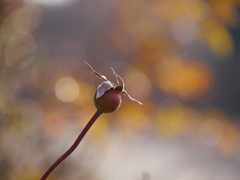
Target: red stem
(73, 147)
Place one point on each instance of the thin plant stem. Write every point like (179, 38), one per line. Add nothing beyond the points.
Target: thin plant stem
(74, 146)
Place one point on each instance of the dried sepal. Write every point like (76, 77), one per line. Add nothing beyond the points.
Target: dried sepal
(121, 83)
(95, 72)
(126, 94)
(103, 87)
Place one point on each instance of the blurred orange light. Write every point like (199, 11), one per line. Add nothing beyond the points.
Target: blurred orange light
(229, 143)
(187, 80)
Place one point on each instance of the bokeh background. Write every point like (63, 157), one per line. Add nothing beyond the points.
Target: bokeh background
(180, 58)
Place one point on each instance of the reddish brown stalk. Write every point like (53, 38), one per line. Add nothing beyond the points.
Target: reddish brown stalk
(74, 146)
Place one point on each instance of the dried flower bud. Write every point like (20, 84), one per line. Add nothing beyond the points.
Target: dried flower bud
(108, 96)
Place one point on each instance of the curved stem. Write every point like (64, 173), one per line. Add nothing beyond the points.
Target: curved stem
(73, 147)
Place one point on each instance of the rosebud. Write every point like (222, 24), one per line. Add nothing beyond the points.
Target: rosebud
(108, 95)
(107, 99)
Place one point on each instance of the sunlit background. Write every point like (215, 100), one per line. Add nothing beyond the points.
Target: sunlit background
(180, 58)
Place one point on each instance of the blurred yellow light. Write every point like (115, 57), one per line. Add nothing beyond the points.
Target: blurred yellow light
(135, 121)
(27, 172)
(197, 10)
(218, 38)
(67, 89)
(99, 130)
(168, 11)
(20, 49)
(169, 120)
(221, 42)
(138, 84)
(173, 105)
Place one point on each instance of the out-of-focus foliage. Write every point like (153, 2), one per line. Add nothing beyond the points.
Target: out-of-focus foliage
(178, 57)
